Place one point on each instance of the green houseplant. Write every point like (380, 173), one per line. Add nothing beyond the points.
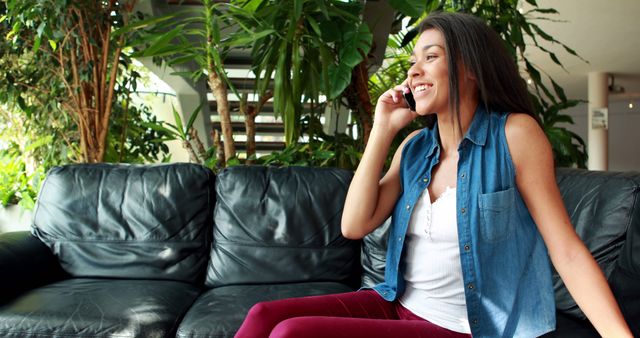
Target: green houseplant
(200, 38)
(38, 129)
(314, 47)
(83, 49)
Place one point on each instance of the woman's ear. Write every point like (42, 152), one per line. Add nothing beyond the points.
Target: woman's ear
(470, 75)
(466, 73)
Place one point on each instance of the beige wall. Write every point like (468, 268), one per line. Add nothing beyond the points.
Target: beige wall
(624, 133)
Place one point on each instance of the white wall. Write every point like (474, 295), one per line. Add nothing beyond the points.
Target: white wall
(181, 95)
(14, 218)
(624, 133)
(162, 107)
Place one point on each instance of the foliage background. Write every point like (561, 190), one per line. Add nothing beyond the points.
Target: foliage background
(325, 43)
(38, 130)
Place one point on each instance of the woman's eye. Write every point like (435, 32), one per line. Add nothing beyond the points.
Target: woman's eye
(430, 57)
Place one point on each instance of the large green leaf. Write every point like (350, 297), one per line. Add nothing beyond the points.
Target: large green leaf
(340, 77)
(412, 8)
(136, 25)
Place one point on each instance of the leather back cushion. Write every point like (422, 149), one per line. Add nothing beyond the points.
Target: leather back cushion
(280, 225)
(128, 221)
(604, 208)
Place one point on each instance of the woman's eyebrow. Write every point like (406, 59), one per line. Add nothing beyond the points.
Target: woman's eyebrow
(425, 47)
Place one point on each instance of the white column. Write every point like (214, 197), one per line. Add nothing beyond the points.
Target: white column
(598, 132)
(335, 121)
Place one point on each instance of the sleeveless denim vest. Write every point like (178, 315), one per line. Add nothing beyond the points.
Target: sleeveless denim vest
(505, 265)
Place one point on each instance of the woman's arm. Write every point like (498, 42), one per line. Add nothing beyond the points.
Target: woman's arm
(370, 199)
(535, 178)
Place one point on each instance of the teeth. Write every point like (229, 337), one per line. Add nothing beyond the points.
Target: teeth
(421, 88)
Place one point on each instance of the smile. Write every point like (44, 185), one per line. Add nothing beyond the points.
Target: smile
(421, 88)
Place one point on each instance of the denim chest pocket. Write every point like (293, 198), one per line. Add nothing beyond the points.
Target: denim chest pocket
(497, 215)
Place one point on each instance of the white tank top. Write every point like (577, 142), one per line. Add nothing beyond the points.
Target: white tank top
(433, 274)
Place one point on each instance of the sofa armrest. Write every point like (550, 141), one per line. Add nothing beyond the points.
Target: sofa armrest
(25, 263)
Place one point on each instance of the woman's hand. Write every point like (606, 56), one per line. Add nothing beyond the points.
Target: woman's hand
(370, 199)
(392, 112)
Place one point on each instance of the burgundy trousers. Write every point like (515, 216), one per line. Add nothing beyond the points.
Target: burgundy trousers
(349, 315)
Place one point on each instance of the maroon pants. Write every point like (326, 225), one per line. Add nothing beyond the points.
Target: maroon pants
(351, 314)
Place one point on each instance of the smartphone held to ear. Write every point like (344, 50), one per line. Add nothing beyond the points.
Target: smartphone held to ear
(408, 99)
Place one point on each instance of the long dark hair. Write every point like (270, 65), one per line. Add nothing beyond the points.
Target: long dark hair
(471, 41)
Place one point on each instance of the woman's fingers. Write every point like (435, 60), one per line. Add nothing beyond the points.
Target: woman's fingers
(395, 93)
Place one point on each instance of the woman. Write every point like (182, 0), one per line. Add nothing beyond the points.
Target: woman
(475, 208)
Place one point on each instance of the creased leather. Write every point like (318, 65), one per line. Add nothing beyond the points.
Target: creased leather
(25, 263)
(272, 224)
(127, 221)
(99, 308)
(219, 312)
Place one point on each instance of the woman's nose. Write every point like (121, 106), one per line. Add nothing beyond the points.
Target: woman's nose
(413, 71)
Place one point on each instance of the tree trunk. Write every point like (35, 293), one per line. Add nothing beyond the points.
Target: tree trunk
(219, 90)
(193, 158)
(250, 128)
(220, 160)
(250, 125)
(359, 100)
(215, 68)
(195, 138)
(250, 113)
(91, 97)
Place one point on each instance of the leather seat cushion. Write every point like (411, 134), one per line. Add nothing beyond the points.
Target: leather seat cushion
(98, 308)
(219, 312)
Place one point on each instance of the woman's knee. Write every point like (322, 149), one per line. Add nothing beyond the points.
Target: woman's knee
(258, 322)
(261, 311)
(292, 328)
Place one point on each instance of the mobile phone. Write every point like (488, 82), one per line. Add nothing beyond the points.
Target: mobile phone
(408, 98)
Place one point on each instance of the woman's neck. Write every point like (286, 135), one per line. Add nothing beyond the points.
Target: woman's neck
(450, 132)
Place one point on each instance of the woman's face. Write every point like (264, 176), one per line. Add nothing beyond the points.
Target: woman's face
(428, 76)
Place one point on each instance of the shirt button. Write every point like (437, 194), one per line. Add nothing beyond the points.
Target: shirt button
(467, 247)
(474, 322)
(471, 286)
(399, 239)
(407, 207)
(462, 175)
(463, 210)
(425, 180)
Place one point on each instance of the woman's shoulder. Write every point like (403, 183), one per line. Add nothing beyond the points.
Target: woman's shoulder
(520, 126)
(526, 139)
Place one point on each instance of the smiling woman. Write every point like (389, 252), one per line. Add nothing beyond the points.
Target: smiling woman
(452, 280)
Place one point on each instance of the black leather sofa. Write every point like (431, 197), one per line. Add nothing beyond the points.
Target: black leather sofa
(172, 250)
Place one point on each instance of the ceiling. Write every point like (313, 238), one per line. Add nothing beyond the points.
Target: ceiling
(605, 33)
